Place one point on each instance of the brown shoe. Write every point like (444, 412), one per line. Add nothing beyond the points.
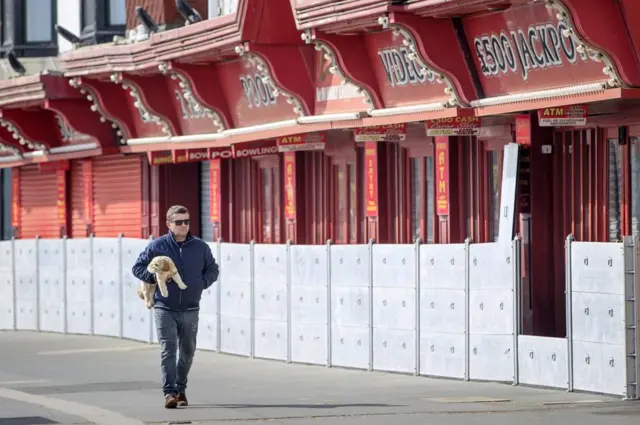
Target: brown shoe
(170, 402)
(182, 400)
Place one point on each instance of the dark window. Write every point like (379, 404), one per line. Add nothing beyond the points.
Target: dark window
(101, 20)
(28, 27)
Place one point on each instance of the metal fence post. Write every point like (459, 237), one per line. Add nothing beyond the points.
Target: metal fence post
(569, 311)
(417, 290)
(467, 309)
(119, 283)
(329, 316)
(92, 290)
(288, 270)
(630, 315)
(37, 255)
(516, 250)
(252, 301)
(152, 318)
(15, 285)
(65, 304)
(371, 243)
(218, 292)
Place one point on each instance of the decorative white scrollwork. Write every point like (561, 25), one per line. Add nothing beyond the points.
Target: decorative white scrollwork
(263, 73)
(334, 67)
(186, 92)
(68, 133)
(145, 113)
(95, 107)
(595, 54)
(15, 133)
(414, 55)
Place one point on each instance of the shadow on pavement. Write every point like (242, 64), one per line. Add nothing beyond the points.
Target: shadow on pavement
(290, 406)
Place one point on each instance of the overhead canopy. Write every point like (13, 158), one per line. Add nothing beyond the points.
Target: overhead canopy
(43, 119)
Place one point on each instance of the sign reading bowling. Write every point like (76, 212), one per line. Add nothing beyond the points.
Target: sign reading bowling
(563, 116)
(190, 155)
(251, 100)
(399, 76)
(524, 49)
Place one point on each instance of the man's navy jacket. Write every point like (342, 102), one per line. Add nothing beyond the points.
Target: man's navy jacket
(195, 263)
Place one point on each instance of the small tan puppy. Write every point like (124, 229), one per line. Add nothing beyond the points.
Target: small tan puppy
(163, 268)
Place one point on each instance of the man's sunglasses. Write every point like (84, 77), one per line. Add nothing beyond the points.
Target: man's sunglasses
(181, 222)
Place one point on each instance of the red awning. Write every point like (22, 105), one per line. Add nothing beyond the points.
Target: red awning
(43, 119)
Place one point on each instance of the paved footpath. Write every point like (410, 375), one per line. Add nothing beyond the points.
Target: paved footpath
(63, 379)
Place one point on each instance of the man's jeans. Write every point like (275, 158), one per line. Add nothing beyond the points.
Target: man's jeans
(176, 330)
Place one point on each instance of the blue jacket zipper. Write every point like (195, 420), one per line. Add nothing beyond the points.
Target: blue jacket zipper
(182, 261)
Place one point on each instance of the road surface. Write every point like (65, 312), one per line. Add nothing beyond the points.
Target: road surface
(68, 379)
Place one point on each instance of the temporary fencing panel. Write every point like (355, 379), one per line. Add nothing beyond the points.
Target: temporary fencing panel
(447, 310)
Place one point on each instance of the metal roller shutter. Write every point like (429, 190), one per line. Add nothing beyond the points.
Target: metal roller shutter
(38, 203)
(78, 223)
(206, 228)
(117, 196)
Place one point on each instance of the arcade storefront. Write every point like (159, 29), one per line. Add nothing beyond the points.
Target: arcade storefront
(345, 122)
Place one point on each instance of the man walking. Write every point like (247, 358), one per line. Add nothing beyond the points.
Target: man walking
(177, 315)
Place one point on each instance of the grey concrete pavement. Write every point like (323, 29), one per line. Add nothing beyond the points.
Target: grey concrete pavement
(66, 379)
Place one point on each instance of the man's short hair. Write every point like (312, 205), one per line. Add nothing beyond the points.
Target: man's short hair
(176, 209)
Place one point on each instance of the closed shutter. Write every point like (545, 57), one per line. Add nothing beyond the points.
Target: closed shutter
(117, 196)
(206, 228)
(38, 203)
(78, 223)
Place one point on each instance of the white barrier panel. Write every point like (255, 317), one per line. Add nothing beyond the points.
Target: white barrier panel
(208, 315)
(442, 310)
(309, 306)
(235, 299)
(136, 318)
(26, 281)
(270, 302)
(352, 306)
(491, 312)
(107, 293)
(79, 287)
(51, 282)
(7, 293)
(600, 332)
(394, 312)
(350, 302)
(543, 361)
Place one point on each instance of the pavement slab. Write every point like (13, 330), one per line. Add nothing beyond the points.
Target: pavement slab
(72, 379)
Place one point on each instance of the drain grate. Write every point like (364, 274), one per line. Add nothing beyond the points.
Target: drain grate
(27, 420)
(90, 388)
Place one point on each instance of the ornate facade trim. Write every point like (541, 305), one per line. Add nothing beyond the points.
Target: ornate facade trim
(334, 67)
(264, 74)
(186, 91)
(583, 48)
(430, 73)
(145, 114)
(15, 132)
(95, 107)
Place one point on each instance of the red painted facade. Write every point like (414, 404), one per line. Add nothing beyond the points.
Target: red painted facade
(345, 121)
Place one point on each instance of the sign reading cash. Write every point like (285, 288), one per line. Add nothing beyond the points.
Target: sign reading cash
(456, 126)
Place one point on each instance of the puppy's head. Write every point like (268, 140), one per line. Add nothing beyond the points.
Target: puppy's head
(159, 265)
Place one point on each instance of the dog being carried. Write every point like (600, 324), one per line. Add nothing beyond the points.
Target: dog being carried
(164, 269)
